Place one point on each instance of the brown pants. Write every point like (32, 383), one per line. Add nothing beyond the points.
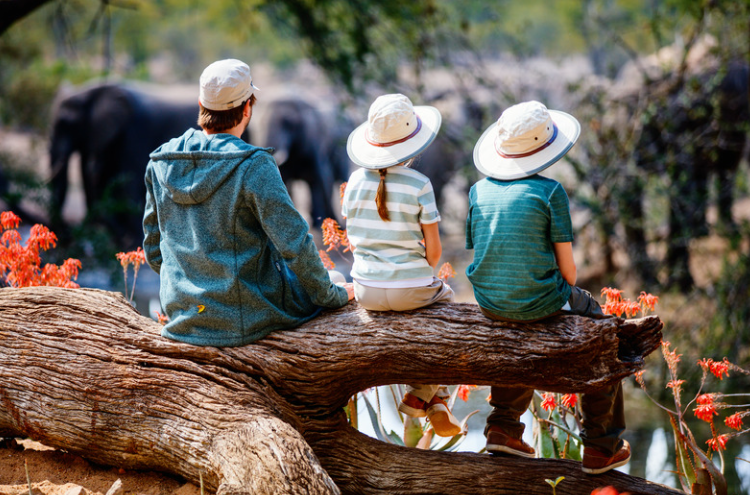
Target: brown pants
(603, 411)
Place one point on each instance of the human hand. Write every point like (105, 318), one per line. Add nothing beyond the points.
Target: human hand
(349, 290)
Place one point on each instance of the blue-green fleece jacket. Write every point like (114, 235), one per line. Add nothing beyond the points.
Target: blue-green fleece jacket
(234, 256)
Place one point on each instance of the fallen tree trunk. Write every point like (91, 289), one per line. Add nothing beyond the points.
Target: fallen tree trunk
(81, 370)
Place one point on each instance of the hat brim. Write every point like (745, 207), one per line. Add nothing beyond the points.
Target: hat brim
(366, 155)
(491, 163)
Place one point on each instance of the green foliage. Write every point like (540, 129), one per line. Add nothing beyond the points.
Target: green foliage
(27, 98)
(22, 183)
(731, 327)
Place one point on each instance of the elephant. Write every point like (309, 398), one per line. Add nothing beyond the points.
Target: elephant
(114, 128)
(451, 152)
(311, 146)
(308, 147)
(693, 130)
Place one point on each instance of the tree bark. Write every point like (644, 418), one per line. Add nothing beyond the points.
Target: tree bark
(81, 370)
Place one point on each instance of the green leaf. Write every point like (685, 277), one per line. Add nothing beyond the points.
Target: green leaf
(452, 444)
(394, 438)
(376, 422)
(413, 431)
(545, 442)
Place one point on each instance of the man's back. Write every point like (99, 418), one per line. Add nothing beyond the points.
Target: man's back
(222, 233)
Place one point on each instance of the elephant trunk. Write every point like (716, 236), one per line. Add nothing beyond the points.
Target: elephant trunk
(281, 156)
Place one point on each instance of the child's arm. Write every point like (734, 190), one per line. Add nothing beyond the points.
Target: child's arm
(565, 261)
(432, 247)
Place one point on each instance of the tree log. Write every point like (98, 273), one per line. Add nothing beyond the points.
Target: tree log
(81, 370)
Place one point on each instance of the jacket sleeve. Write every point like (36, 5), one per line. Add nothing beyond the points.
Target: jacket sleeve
(285, 227)
(152, 240)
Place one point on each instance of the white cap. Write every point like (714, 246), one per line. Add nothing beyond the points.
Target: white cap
(225, 84)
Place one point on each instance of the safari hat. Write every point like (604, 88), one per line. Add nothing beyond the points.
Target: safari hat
(526, 139)
(225, 84)
(395, 131)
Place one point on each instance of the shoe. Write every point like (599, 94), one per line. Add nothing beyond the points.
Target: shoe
(442, 420)
(443, 393)
(413, 406)
(596, 462)
(498, 442)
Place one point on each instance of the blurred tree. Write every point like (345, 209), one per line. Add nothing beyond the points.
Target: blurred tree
(674, 97)
(14, 10)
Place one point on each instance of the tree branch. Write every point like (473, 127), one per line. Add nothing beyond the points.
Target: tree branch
(82, 370)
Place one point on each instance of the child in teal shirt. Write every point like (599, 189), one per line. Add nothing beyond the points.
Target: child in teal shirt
(523, 269)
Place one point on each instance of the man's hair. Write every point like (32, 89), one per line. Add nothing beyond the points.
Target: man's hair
(222, 120)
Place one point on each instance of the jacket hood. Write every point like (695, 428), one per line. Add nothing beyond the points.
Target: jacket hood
(191, 167)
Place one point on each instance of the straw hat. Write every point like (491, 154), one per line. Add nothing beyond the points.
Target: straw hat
(225, 84)
(526, 139)
(395, 131)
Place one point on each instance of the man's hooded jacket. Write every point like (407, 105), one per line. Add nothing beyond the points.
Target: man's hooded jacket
(234, 256)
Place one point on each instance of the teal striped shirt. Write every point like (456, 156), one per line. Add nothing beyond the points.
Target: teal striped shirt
(389, 251)
(511, 227)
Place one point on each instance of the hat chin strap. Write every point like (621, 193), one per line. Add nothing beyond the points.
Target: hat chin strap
(528, 153)
(391, 143)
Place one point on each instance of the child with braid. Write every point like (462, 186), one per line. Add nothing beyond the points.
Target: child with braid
(392, 225)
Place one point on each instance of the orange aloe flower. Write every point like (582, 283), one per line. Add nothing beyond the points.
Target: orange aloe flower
(464, 390)
(720, 368)
(569, 400)
(671, 357)
(639, 378)
(342, 188)
(706, 409)
(718, 443)
(327, 262)
(611, 294)
(675, 385)
(333, 236)
(647, 301)
(548, 401)
(630, 308)
(21, 266)
(9, 220)
(735, 420)
(446, 272)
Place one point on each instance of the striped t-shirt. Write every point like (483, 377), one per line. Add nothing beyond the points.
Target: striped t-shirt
(389, 251)
(511, 227)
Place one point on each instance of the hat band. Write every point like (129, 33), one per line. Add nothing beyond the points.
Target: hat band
(391, 143)
(529, 153)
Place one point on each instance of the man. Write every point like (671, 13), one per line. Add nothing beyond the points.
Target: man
(234, 256)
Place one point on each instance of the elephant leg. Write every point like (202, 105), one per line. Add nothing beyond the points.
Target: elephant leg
(632, 218)
(59, 162)
(726, 173)
(680, 219)
(694, 183)
(321, 189)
